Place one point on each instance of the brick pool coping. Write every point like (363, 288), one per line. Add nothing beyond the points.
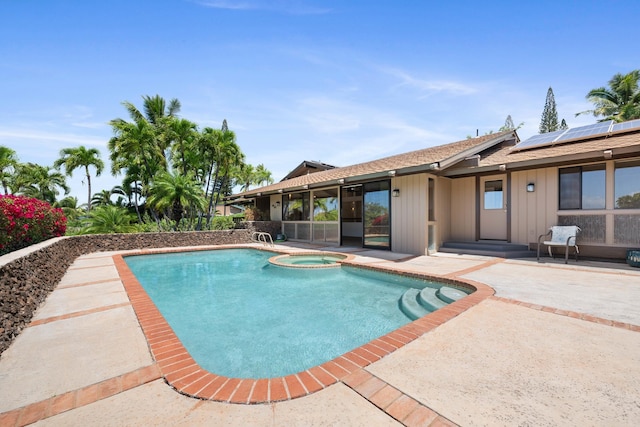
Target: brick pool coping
(184, 374)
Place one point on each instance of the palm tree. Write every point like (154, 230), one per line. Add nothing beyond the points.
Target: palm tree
(155, 112)
(109, 219)
(41, 182)
(133, 187)
(69, 206)
(263, 175)
(135, 145)
(119, 191)
(246, 176)
(176, 193)
(182, 133)
(8, 163)
(227, 157)
(620, 101)
(139, 147)
(101, 198)
(81, 157)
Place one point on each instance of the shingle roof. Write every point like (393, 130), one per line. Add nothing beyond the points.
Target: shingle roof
(397, 162)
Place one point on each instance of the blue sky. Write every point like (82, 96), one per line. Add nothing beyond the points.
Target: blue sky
(340, 82)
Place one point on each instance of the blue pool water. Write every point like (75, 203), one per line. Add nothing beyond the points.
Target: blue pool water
(240, 316)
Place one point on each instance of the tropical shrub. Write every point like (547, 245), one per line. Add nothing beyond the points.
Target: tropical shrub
(222, 223)
(25, 221)
(109, 219)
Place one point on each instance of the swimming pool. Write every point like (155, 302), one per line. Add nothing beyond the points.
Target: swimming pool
(241, 317)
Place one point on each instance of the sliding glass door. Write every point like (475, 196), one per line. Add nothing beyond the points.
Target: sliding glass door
(376, 211)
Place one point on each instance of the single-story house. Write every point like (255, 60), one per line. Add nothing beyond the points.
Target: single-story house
(489, 188)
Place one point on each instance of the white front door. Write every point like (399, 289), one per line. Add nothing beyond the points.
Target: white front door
(493, 207)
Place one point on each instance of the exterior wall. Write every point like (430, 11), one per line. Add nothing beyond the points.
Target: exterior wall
(463, 209)
(533, 213)
(275, 207)
(409, 215)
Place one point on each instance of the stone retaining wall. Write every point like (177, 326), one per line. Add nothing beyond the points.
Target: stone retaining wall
(25, 282)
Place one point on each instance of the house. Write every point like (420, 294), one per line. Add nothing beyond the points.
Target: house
(490, 188)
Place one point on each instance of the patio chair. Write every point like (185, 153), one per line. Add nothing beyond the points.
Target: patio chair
(561, 236)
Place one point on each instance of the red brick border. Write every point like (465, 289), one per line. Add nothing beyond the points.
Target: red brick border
(74, 399)
(574, 314)
(182, 372)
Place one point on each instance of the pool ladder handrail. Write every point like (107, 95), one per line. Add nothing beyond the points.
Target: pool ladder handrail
(262, 237)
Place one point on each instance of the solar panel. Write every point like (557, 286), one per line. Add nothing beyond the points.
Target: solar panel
(561, 136)
(600, 128)
(537, 140)
(631, 124)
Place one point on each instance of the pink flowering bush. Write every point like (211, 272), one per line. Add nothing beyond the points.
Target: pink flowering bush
(25, 221)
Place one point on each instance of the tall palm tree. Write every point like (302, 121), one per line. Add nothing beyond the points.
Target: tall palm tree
(81, 157)
(41, 182)
(133, 188)
(182, 133)
(8, 163)
(134, 146)
(139, 146)
(227, 156)
(156, 111)
(246, 176)
(620, 101)
(205, 149)
(176, 193)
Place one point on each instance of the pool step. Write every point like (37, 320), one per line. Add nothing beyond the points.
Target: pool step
(416, 303)
(410, 306)
(428, 298)
(450, 295)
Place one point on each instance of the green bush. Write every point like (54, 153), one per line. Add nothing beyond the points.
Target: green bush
(109, 219)
(25, 221)
(222, 223)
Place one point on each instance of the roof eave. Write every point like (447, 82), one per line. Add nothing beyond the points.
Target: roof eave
(544, 162)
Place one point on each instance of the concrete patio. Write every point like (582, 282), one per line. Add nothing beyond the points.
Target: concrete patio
(557, 345)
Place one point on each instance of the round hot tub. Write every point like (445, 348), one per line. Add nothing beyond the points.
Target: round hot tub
(309, 260)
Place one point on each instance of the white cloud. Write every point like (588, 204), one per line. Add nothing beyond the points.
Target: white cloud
(293, 7)
(7, 135)
(430, 86)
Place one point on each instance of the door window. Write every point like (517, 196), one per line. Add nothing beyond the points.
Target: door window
(493, 195)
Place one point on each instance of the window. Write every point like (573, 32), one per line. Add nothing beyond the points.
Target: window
(582, 187)
(493, 195)
(295, 207)
(627, 185)
(325, 205)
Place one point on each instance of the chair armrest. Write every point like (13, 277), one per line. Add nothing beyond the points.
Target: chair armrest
(574, 240)
(542, 236)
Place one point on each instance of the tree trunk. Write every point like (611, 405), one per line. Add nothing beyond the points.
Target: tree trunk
(213, 188)
(86, 169)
